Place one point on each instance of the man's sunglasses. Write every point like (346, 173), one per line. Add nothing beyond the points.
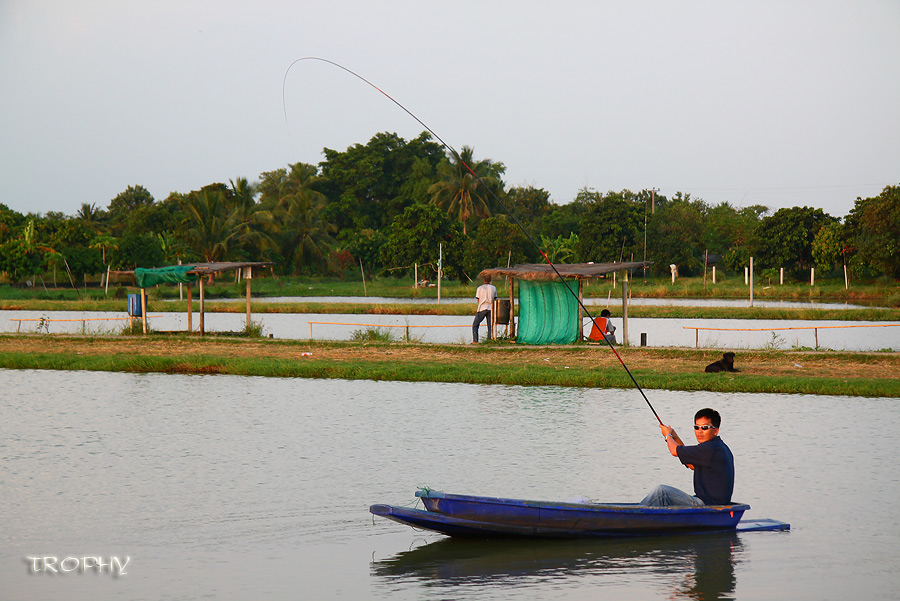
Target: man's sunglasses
(704, 427)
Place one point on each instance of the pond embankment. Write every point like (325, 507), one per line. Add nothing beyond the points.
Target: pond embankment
(777, 371)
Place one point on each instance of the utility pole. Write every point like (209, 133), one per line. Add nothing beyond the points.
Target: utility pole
(653, 192)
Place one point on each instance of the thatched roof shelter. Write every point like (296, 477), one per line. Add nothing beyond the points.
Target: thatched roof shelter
(543, 271)
(550, 310)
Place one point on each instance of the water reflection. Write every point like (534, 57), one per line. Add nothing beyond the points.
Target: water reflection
(691, 567)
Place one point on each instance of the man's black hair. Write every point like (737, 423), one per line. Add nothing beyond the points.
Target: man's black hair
(711, 414)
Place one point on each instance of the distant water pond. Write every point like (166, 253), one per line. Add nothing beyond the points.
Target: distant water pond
(448, 329)
(612, 302)
(227, 487)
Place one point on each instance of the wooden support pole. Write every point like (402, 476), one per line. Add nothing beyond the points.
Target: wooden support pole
(751, 281)
(190, 299)
(624, 312)
(512, 308)
(580, 310)
(144, 308)
(248, 275)
(202, 308)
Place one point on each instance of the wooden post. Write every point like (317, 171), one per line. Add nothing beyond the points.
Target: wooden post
(705, 264)
(751, 281)
(812, 276)
(416, 275)
(781, 276)
(202, 307)
(440, 268)
(144, 308)
(512, 308)
(363, 278)
(107, 280)
(624, 313)
(248, 275)
(580, 310)
(190, 327)
(846, 278)
(714, 274)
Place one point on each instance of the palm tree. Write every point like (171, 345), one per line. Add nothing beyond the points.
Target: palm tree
(91, 215)
(104, 242)
(305, 237)
(247, 218)
(212, 235)
(461, 192)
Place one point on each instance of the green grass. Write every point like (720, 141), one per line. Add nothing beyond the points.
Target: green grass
(466, 370)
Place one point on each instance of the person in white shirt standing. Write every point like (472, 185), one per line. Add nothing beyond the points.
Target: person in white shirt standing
(485, 295)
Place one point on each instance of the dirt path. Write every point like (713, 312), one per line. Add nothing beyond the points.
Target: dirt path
(656, 360)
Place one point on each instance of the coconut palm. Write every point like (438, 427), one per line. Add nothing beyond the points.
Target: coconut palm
(304, 236)
(247, 219)
(463, 192)
(212, 235)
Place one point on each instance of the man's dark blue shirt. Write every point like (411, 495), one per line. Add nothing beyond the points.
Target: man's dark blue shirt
(713, 470)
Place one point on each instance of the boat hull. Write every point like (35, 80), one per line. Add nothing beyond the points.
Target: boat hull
(466, 515)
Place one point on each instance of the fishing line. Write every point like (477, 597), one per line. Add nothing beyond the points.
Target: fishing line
(496, 198)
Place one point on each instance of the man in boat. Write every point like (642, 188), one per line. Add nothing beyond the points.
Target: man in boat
(711, 460)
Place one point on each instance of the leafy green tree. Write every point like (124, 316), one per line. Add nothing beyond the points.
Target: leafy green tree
(612, 229)
(530, 206)
(125, 204)
(20, 255)
(464, 186)
(562, 220)
(9, 221)
(676, 234)
(561, 250)
(496, 242)
(78, 260)
(365, 246)
(727, 226)
(873, 228)
(368, 185)
(785, 239)
(829, 246)
(137, 251)
(736, 258)
(414, 238)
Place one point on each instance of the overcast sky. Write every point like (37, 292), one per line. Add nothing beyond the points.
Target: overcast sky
(781, 103)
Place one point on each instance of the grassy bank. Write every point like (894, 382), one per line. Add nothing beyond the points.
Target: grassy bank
(788, 372)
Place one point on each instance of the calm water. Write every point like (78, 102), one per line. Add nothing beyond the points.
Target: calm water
(458, 329)
(224, 487)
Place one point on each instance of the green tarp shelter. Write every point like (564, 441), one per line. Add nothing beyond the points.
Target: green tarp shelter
(174, 274)
(188, 274)
(548, 308)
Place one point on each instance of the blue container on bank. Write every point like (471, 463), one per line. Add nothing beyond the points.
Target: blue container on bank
(134, 305)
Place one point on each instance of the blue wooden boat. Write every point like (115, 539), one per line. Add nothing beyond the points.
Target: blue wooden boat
(466, 515)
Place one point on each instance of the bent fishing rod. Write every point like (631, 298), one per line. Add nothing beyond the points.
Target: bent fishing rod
(496, 198)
